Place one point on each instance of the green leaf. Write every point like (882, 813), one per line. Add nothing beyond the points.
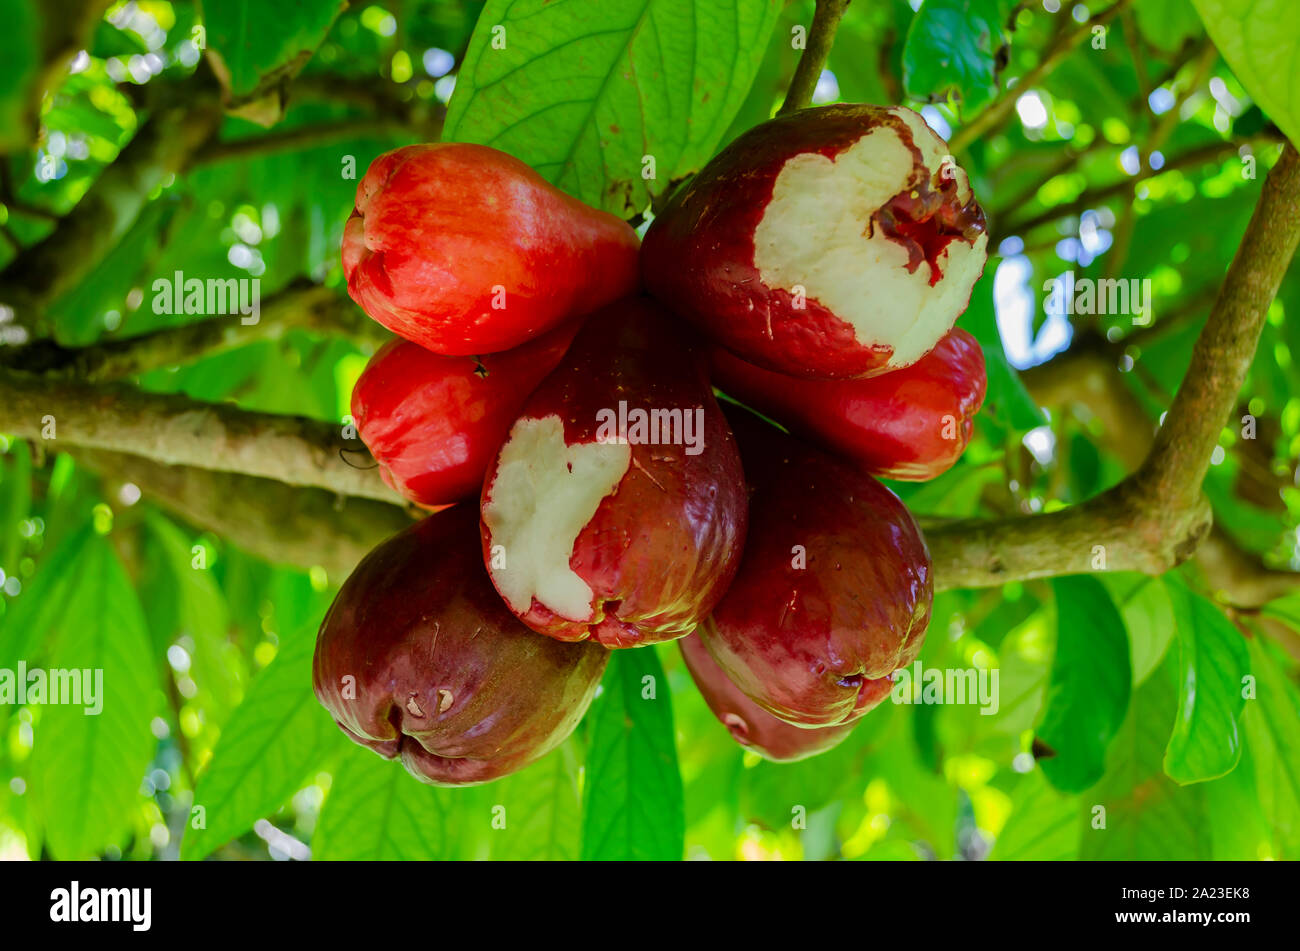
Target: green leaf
(86, 767)
(198, 611)
(1043, 825)
(15, 502)
(254, 44)
(1167, 24)
(1285, 609)
(950, 50)
(1260, 39)
(633, 806)
(20, 43)
(542, 809)
(1213, 664)
(31, 617)
(1146, 814)
(377, 811)
(1272, 726)
(1090, 685)
(584, 92)
(275, 740)
(1148, 618)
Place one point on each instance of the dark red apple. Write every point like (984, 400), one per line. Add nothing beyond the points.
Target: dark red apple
(749, 724)
(466, 250)
(911, 424)
(418, 658)
(616, 508)
(834, 590)
(830, 243)
(433, 423)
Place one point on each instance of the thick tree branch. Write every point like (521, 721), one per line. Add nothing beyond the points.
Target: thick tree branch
(1157, 517)
(1180, 458)
(821, 37)
(280, 523)
(176, 430)
(301, 305)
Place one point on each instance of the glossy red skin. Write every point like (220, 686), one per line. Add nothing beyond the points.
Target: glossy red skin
(437, 227)
(417, 617)
(892, 425)
(433, 423)
(698, 255)
(815, 646)
(749, 724)
(663, 546)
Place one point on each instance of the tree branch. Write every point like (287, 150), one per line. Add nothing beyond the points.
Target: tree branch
(998, 112)
(1201, 155)
(1156, 517)
(79, 242)
(821, 36)
(174, 429)
(301, 305)
(279, 523)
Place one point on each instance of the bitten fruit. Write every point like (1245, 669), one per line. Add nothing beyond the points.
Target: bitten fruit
(616, 508)
(834, 590)
(418, 658)
(433, 423)
(830, 243)
(466, 250)
(749, 724)
(912, 424)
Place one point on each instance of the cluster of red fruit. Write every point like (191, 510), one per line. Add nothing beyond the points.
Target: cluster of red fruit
(559, 372)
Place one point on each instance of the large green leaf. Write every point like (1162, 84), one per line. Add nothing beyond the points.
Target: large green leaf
(275, 740)
(256, 43)
(1148, 618)
(1213, 663)
(1260, 39)
(19, 51)
(537, 813)
(1146, 814)
(1090, 684)
(1272, 726)
(87, 767)
(585, 92)
(192, 605)
(376, 810)
(951, 50)
(633, 805)
(1043, 825)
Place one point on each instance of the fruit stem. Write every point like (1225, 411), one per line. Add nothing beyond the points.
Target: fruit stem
(820, 38)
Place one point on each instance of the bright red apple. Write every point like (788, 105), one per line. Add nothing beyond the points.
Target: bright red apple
(749, 724)
(830, 243)
(466, 250)
(834, 590)
(616, 508)
(433, 423)
(418, 658)
(911, 424)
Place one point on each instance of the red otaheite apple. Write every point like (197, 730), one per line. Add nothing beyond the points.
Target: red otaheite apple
(831, 243)
(911, 424)
(433, 423)
(466, 250)
(749, 724)
(616, 508)
(418, 658)
(834, 590)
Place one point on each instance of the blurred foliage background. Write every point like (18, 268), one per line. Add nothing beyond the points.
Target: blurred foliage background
(1133, 159)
